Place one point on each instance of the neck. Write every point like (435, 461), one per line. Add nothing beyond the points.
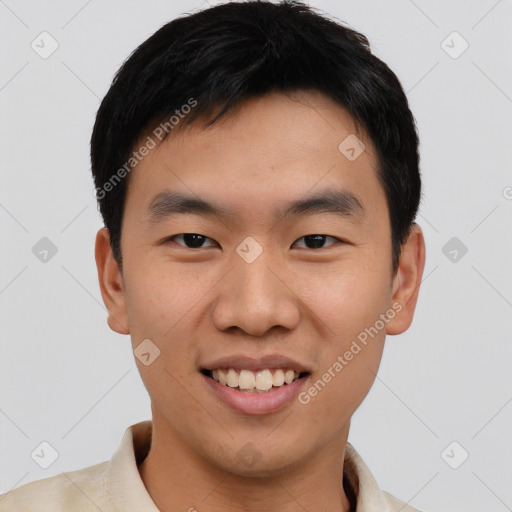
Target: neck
(178, 478)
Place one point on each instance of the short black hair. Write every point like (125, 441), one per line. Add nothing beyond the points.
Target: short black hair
(212, 60)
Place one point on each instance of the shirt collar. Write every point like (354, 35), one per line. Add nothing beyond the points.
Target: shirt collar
(130, 495)
(126, 486)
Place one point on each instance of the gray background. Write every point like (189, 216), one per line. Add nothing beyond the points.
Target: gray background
(68, 380)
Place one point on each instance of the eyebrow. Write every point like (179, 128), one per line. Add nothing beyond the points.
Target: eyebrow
(338, 201)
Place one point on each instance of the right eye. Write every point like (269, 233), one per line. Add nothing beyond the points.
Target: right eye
(191, 240)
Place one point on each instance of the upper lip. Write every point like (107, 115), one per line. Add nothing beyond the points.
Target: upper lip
(270, 361)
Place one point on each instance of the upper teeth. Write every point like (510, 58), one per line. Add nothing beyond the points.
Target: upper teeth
(261, 380)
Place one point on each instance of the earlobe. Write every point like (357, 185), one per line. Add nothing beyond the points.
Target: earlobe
(406, 284)
(111, 283)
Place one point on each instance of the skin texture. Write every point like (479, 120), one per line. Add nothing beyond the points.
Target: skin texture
(198, 304)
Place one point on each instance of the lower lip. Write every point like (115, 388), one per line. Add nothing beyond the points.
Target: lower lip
(256, 403)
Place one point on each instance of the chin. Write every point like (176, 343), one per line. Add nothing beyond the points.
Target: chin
(252, 462)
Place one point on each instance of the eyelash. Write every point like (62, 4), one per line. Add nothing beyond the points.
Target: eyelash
(171, 239)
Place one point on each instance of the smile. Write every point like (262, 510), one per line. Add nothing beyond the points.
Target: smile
(255, 387)
(250, 381)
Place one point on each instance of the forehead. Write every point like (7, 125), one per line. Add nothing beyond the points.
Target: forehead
(267, 150)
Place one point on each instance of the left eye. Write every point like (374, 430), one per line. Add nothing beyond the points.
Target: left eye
(316, 241)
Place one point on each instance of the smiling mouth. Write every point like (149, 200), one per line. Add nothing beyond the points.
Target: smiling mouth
(260, 381)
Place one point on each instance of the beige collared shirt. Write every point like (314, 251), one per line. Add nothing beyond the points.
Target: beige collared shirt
(116, 486)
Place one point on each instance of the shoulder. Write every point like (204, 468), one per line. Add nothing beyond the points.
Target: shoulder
(370, 497)
(396, 505)
(82, 490)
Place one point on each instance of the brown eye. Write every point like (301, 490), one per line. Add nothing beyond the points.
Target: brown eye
(316, 241)
(191, 240)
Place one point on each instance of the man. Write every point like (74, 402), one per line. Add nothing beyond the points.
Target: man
(257, 171)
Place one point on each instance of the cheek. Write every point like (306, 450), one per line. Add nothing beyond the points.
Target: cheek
(349, 304)
(157, 308)
(162, 304)
(160, 297)
(347, 297)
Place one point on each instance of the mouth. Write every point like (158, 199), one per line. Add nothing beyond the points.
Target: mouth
(263, 380)
(255, 385)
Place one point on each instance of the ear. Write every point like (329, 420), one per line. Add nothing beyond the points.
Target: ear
(111, 283)
(406, 283)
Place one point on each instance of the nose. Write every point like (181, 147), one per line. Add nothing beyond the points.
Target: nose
(256, 297)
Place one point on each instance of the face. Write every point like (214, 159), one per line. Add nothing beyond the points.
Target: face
(249, 288)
